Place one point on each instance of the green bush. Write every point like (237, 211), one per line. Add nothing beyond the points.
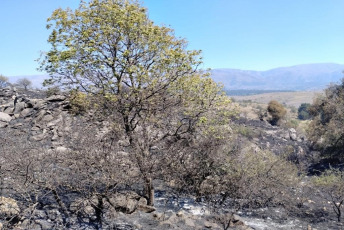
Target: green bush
(302, 112)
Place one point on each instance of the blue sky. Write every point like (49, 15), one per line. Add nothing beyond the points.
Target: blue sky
(242, 34)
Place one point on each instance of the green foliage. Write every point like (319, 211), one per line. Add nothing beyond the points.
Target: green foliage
(79, 102)
(277, 111)
(302, 112)
(3, 81)
(143, 78)
(326, 130)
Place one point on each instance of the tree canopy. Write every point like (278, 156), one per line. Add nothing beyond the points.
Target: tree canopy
(24, 82)
(302, 111)
(143, 78)
(326, 130)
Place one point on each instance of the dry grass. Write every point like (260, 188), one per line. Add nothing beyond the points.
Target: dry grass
(287, 98)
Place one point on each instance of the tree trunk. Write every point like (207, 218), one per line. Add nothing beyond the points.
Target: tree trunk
(149, 191)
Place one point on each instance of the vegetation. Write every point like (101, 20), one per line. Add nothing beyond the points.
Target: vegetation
(145, 81)
(277, 112)
(3, 81)
(326, 130)
(331, 183)
(24, 83)
(146, 115)
(302, 112)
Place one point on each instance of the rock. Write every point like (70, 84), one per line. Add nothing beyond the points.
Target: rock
(25, 112)
(125, 203)
(55, 98)
(180, 213)
(292, 134)
(8, 207)
(45, 224)
(19, 106)
(61, 149)
(189, 222)
(3, 124)
(47, 118)
(4, 117)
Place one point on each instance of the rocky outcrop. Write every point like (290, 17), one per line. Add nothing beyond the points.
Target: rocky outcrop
(280, 141)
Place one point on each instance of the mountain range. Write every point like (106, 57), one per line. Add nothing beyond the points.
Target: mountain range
(298, 77)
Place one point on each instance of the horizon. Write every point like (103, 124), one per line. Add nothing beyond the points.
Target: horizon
(241, 35)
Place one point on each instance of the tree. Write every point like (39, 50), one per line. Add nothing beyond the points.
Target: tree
(3, 81)
(326, 130)
(277, 112)
(302, 112)
(141, 77)
(24, 82)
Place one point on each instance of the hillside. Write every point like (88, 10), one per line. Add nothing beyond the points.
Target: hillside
(299, 77)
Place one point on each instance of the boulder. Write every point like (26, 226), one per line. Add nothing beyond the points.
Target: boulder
(4, 117)
(292, 134)
(55, 98)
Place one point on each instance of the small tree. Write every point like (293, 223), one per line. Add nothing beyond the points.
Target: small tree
(302, 112)
(277, 112)
(144, 80)
(24, 82)
(3, 81)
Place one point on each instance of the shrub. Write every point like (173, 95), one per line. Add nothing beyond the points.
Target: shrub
(79, 102)
(302, 112)
(326, 130)
(277, 112)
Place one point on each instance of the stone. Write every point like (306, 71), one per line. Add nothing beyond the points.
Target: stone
(180, 213)
(19, 106)
(47, 118)
(123, 202)
(292, 134)
(8, 207)
(3, 124)
(25, 112)
(45, 224)
(4, 117)
(189, 222)
(55, 98)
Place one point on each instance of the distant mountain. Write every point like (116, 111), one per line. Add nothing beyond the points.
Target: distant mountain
(299, 77)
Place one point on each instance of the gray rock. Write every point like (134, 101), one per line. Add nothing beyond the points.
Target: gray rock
(4, 117)
(55, 98)
(26, 112)
(19, 106)
(3, 124)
